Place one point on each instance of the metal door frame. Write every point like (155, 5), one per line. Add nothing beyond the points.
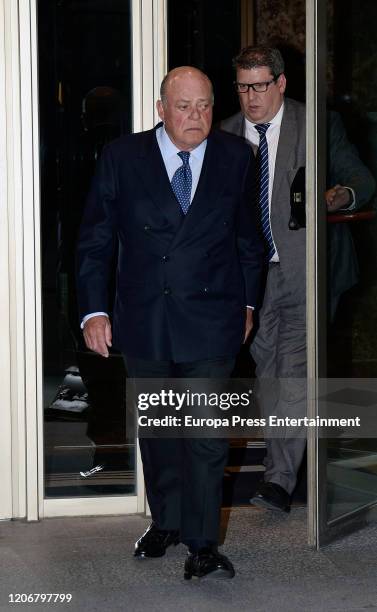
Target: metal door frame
(21, 436)
(320, 529)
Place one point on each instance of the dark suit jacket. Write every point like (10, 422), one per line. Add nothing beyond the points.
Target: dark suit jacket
(345, 167)
(182, 282)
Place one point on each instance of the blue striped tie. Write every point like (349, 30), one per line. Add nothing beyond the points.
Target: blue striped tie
(262, 186)
(182, 182)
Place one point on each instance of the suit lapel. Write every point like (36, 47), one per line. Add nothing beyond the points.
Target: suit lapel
(239, 125)
(212, 181)
(151, 169)
(286, 147)
(234, 125)
(215, 163)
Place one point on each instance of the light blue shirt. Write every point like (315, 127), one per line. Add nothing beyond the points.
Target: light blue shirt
(172, 161)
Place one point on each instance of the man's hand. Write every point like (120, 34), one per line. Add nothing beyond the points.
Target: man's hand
(249, 323)
(97, 335)
(337, 197)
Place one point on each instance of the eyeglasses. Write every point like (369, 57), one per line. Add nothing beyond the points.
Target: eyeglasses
(258, 87)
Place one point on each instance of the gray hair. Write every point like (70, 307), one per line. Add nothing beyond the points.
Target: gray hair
(256, 57)
(163, 88)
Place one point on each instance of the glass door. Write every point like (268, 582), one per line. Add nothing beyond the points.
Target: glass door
(72, 84)
(85, 96)
(99, 64)
(342, 252)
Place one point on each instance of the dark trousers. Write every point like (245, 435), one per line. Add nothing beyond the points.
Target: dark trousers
(183, 477)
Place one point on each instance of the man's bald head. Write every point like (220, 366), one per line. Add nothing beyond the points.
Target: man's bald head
(176, 74)
(185, 106)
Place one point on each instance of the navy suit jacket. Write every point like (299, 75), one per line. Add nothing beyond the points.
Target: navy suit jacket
(183, 282)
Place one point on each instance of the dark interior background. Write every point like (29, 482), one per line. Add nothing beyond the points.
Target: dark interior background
(85, 94)
(207, 35)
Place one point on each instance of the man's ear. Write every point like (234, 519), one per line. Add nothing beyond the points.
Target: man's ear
(160, 109)
(282, 83)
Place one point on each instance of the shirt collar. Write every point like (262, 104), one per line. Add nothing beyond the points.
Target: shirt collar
(170, 150)
(274, 122)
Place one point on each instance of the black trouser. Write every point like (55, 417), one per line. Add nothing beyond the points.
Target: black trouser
(183, 477)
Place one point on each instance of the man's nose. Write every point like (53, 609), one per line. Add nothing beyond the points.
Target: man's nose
(195, 114)
(251, 93)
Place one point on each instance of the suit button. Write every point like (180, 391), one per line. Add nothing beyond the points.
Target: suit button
(226, 223)
(147, 228)
(165, 258)
(206, 289)
(167, 291)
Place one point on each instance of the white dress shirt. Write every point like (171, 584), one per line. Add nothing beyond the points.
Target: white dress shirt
(172, 160)
(272, 136)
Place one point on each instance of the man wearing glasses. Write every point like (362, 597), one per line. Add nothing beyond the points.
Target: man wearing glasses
(275, 128)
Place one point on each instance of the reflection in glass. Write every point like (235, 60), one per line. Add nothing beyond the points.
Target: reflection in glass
(85, 101)
(352, 238)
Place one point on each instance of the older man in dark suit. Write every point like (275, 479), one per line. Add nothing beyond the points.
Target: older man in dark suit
(176, 199)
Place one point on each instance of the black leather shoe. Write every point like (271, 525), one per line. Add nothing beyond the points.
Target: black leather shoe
(272, 496)
(208, 561)
(154, 542)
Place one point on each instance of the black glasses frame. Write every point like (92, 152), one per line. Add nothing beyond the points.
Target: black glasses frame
(253, 86)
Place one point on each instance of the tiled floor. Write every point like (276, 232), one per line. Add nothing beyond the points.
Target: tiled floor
(92, 559)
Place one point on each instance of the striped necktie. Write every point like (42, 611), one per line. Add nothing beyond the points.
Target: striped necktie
(262, 186)
(182, 182)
